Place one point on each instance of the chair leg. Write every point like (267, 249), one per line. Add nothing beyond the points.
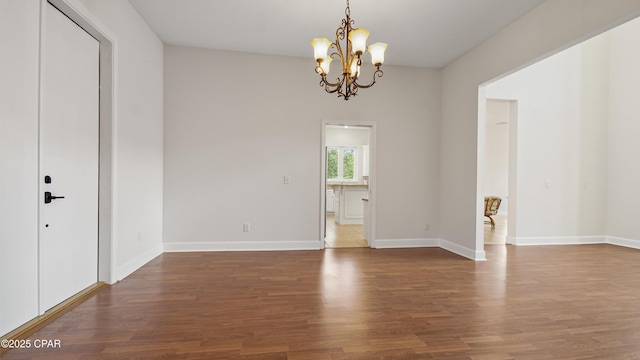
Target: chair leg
(493, 223)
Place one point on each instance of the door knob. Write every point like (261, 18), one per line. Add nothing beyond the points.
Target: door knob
(48, 197)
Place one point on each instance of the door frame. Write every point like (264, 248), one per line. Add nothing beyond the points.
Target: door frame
(55, 287)
(512, 166)
(107, 125)
(373, 126)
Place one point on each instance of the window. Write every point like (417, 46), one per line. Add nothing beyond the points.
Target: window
(341, 163)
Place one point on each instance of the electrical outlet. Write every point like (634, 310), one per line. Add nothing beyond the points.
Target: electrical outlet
(287, 179)
(246, 227)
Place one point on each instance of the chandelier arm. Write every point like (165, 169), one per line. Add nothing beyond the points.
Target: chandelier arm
(336, 84)
(331, 87)
(334, 90)
(323, 76)
(341, 93)
(378, 73)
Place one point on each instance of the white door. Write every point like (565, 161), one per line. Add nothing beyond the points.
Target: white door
(69, 157)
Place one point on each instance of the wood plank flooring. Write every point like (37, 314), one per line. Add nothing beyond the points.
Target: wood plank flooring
(497, 235)
(546, 302)
(343, 236)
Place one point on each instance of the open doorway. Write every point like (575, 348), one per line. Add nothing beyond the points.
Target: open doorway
(346, 185)
(496, 175)
(563, 172)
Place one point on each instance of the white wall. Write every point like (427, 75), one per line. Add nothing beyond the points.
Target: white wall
(624, 132)
(138, 133)
(547, 28)
(351, 136)
(595, 122)
(561, 139)
(496, 156)
(19, 68)
(137, 149)
(590, 184)
(236, 123)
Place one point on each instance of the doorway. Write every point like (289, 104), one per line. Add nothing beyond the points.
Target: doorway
(69, 152)
(496, 174)
(106, 174)
(347, 185)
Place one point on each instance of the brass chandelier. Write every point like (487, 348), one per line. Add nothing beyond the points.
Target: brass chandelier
(355, 43)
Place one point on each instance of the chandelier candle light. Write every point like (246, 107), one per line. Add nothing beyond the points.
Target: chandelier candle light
(355, 43)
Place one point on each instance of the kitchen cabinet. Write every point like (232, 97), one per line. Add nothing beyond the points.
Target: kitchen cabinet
(349, 209)
(331, 199)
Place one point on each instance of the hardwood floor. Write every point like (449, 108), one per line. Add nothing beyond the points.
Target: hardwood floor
(497, 235)
(543, 302)
(343, 236)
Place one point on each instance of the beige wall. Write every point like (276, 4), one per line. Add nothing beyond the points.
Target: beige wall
(236, 123)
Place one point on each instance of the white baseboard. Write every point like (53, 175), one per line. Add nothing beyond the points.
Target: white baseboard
(405, 243)
(444, 244)
(463, 251)
(574, 240)
(476, 255)
(136, 263)
(315, 245)
(243, 246)
(558, 240)
(630, 243)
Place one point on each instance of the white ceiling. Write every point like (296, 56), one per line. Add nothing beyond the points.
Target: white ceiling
(424, 33)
